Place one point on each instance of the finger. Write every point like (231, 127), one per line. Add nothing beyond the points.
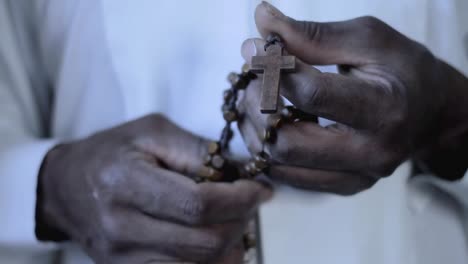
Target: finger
(344, 99)
(249, 106)
(177, 148)
(338, 182)
(351, 42)
(130, 230)
(250, 135)
(167, 195)
(334, 147)
(307, 144)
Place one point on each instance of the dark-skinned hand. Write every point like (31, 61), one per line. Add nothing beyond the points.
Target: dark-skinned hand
(123, 194)
(391, 100)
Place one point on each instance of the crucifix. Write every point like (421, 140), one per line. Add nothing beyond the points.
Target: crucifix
(271, 66)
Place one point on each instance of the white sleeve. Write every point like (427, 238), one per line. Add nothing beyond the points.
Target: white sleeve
(23, 141)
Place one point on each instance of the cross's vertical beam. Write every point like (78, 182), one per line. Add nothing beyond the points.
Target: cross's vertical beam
(271, 66)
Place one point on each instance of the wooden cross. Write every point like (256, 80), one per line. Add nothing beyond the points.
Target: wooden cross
(271, 66)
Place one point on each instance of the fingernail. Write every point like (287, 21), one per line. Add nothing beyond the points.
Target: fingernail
(252, 47)
(248, 50)
(272, 10)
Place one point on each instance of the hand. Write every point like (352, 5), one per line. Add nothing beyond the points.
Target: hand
(122, 194)
(392, 100)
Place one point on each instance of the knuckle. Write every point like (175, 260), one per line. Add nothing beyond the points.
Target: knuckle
(207, 247)
(108, 181)
(370, 22)
(213, 247)
(311, 30)
(368, 27)
(194, 207)
(311, 92)
(111, 229)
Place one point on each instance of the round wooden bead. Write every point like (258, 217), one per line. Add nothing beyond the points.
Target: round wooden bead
(198, 179)
(227, 95)
(268, 135)
(215, 175)
(230, 134)
(247, 73)
(233, 78)
(207, 160)
(260, 162)
(225, 108)
(230, 115)
(249, 167)
(288, 112)
(275, 122)
(245, 68)
(213, 147)
(217, 162)
(210, 174)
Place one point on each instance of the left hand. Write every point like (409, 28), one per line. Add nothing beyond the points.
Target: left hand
(392, 100)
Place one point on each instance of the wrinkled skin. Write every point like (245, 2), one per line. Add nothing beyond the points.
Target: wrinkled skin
(124, 196)
(392, 100)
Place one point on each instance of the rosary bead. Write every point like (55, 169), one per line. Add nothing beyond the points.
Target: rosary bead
(215, 175)
(230, 134)
(210, 174)
(249, 167)
(233, 78)
(217, 162)
(230, 115)
(204, 172)
(260, 162)
(198, 179)
(269, 135)
(300, 115)
(245, 68)
(207, 160)
(213, 147)
(275, 121)
(247, 73)
(227, 95)
(288, 112)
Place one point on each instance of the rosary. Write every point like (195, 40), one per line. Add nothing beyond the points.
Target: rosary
(216, 166)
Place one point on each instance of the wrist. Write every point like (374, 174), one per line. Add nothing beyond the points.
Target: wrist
(47, 228)
(447, 155)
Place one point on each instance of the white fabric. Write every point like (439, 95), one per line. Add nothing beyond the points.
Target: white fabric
(108, 61)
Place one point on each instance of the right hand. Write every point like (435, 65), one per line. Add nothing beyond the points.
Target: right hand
(392, 100)
(122, 195)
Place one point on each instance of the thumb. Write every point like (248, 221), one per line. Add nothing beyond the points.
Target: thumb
(316, 43)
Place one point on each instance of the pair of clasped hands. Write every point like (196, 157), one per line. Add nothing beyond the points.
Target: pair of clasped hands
(123, 194)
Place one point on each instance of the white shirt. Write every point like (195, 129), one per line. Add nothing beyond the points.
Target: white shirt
(69, 68)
